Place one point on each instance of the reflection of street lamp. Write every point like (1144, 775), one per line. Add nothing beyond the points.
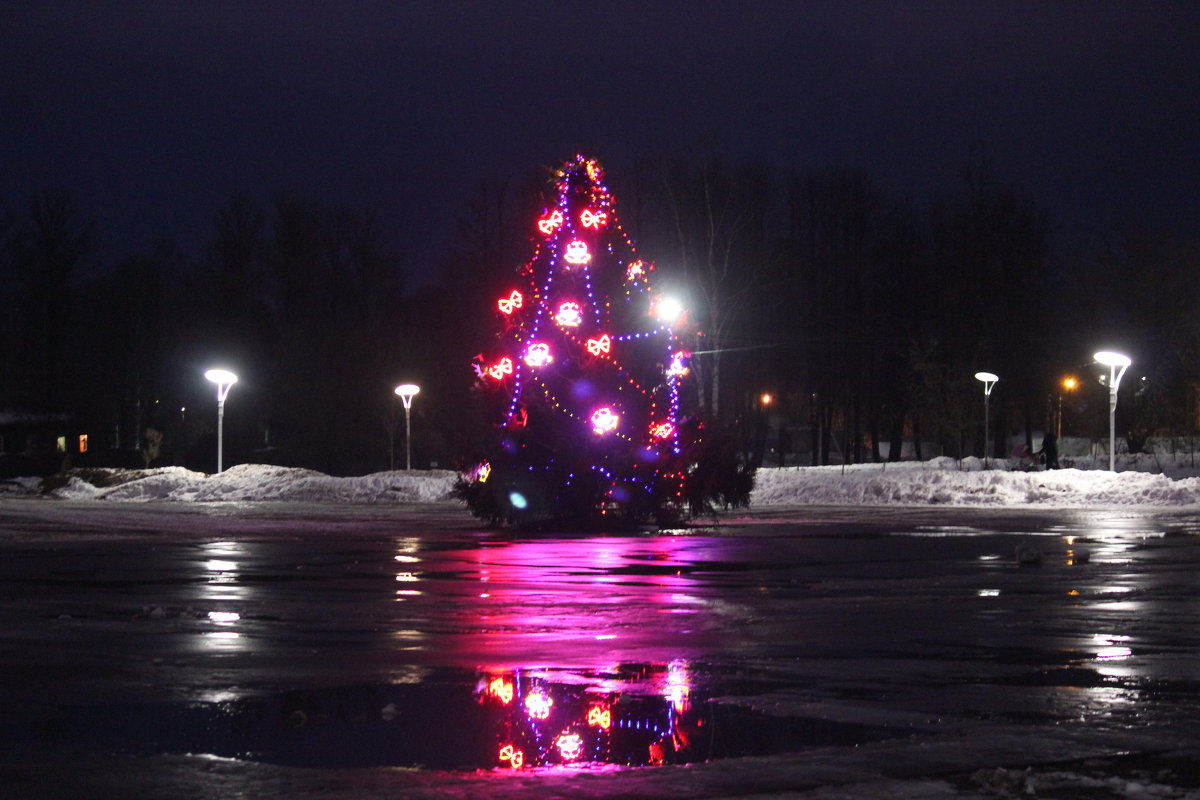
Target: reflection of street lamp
(989, 382)
(407, 391)
(1113, 360)
(224, 379)
(1069, 384)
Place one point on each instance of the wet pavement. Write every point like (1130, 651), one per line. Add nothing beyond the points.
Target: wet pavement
(283, 650)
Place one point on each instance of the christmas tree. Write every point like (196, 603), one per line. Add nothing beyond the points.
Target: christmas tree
(583, 384)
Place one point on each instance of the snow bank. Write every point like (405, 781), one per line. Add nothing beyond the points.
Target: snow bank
(941, 481)
(262, 482)
(946, 482)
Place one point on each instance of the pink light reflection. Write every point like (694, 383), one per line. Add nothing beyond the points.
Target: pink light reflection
(591, 602)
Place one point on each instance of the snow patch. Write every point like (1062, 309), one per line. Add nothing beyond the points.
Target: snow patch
(937, 482)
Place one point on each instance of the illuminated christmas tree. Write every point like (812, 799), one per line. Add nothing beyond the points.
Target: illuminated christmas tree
(583, 384)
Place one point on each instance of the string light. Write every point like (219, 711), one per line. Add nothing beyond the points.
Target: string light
(513, 301)
(550, 223)
(538, 355)
(538, 705)
(501, 368)
(569, 314)
(598, 346)
(604, 420)
(570, 746)
(577, 252)
(514, 756)
(591, 219)
(662, 430)
(678, 368)
(501, 689)
(600, 717)
(588, 291)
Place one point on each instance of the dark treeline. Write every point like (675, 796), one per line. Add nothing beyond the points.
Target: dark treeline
(864, 317)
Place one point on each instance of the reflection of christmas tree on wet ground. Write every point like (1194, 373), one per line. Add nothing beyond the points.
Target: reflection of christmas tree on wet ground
(542, 722)
(637, 715)
(584, 380)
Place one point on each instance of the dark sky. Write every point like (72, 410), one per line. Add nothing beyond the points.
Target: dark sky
(154, 113)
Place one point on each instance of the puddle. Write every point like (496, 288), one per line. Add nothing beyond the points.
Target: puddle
(637, 715)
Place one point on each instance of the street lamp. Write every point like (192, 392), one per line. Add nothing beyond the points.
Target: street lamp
(1113, 360)
(407, 391)
(989, 382)
(668, 309)
(224, 379)
(1069, 384)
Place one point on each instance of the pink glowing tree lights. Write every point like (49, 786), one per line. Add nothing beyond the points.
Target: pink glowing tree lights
(584, 379)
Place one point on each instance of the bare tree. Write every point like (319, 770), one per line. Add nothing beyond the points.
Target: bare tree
(706, 226)
(47, 249)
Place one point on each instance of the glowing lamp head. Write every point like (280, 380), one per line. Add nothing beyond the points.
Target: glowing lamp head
(668, 310)
(224, 379)
(1117, 363)
(989, 381)
(407, 391)
(1110, 359)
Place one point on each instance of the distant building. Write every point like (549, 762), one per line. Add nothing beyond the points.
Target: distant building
(38, 444)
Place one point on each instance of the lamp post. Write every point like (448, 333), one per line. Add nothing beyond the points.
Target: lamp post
(1113, 360)
(989, 382)
(224, 379)
(1069, 384)
(407, 391)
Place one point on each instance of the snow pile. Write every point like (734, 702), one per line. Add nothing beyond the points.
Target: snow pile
(262, 482)
(947, 482)
(941, 481)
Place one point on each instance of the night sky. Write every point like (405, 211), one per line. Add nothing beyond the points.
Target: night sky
(155, 113)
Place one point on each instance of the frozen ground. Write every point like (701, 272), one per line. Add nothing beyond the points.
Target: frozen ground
(992, 713)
